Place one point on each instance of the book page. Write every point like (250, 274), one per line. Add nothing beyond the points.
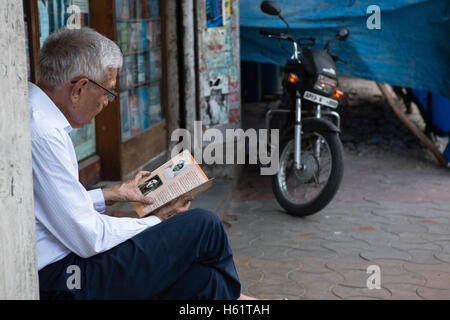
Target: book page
(173, 179)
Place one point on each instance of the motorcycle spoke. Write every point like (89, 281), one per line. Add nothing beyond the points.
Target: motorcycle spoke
(313, 182)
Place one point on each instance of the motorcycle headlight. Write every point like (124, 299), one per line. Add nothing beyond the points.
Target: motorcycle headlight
(325, 84)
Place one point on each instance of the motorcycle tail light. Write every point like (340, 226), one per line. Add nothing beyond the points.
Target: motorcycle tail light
(293, 78)
(337, 94)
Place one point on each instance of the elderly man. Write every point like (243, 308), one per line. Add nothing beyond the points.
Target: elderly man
(175, 253)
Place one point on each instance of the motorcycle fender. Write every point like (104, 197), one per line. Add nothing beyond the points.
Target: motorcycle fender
(309, 124)
(319, 125)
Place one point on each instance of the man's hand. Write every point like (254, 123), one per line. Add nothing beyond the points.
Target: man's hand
(174, 207)
(128, 191)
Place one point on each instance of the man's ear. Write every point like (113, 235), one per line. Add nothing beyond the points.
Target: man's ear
(77, 88)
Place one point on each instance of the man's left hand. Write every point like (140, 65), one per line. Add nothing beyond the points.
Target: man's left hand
(128, 191)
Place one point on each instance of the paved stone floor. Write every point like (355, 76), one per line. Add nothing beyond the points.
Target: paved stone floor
(392, 210)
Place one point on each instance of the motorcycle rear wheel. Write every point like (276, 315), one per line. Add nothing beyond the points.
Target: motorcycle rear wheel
(305, 192)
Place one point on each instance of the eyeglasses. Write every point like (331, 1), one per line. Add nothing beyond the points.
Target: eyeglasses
(111, 94)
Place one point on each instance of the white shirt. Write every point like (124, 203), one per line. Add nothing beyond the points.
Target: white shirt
(68, 218)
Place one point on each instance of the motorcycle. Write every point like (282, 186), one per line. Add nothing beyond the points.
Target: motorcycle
(311, 153)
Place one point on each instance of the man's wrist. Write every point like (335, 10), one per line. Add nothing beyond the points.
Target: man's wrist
(110, 195)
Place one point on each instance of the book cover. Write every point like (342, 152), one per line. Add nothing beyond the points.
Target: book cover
(134, 35)
(131, 9)
(155, 8)
(118, 9)
(138, 9)
(156, 34)
(149, 34)
(155, 114)
(145, 9)
(134, 114)
(122, 9)
(148, 8)
(144, 37)
(124, 115)
(131, 70)
(141, 68)
(154, 65)
(141, 93)
(122, 30)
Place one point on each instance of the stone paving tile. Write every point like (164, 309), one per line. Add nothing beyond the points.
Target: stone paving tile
(282, 239)
(384, 253)
(424, 256)
(405, 227)
(248, 252)
(354, 293)
(317, 285)
(403, 291)
(433, 294)
(314, 265)
(408, 240)
(437, 276)
(356, 278)
(442, 256)
(278, 269)
(416, 267)
(341, 265)
(326, 256)
(390, 266)
(246, 272)
(435, 237)
(346, 250)
(314, 252)
(278, 253)
(318, 290)
(266, 290)
(404, 277)
(302, 276)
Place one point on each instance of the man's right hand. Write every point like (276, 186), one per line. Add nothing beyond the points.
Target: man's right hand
(174, 207)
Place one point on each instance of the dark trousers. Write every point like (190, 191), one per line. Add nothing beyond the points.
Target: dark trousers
(185, 257)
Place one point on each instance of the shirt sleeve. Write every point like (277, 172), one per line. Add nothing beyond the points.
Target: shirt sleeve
(66, 208)
(98, 200)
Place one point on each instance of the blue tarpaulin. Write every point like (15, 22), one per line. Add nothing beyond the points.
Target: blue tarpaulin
(410, 50)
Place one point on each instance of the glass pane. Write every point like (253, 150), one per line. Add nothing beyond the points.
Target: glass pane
(139, 37)
(53, 15)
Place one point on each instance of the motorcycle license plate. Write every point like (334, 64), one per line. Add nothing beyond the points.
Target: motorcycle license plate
(320, 99)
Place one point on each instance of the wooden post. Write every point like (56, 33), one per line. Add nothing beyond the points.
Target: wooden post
(395, 105)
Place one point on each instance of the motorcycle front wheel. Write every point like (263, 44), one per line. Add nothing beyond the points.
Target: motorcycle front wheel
(307, 191)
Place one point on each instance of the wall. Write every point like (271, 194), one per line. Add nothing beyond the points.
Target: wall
(219, 62)
(18, 265)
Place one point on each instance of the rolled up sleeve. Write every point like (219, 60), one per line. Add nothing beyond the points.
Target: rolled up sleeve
(98, 200)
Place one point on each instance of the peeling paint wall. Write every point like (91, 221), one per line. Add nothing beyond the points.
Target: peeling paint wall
(219, 62)
(18, 262)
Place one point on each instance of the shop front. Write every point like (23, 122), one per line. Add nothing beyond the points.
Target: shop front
(132, 130)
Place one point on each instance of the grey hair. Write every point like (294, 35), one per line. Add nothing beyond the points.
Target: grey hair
(69, 53)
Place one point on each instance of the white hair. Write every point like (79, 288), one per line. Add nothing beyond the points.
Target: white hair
(70, 53)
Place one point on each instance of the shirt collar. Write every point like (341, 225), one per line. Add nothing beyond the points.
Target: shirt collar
(41, 102)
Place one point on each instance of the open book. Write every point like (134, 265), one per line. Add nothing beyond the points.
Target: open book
(179, 176)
